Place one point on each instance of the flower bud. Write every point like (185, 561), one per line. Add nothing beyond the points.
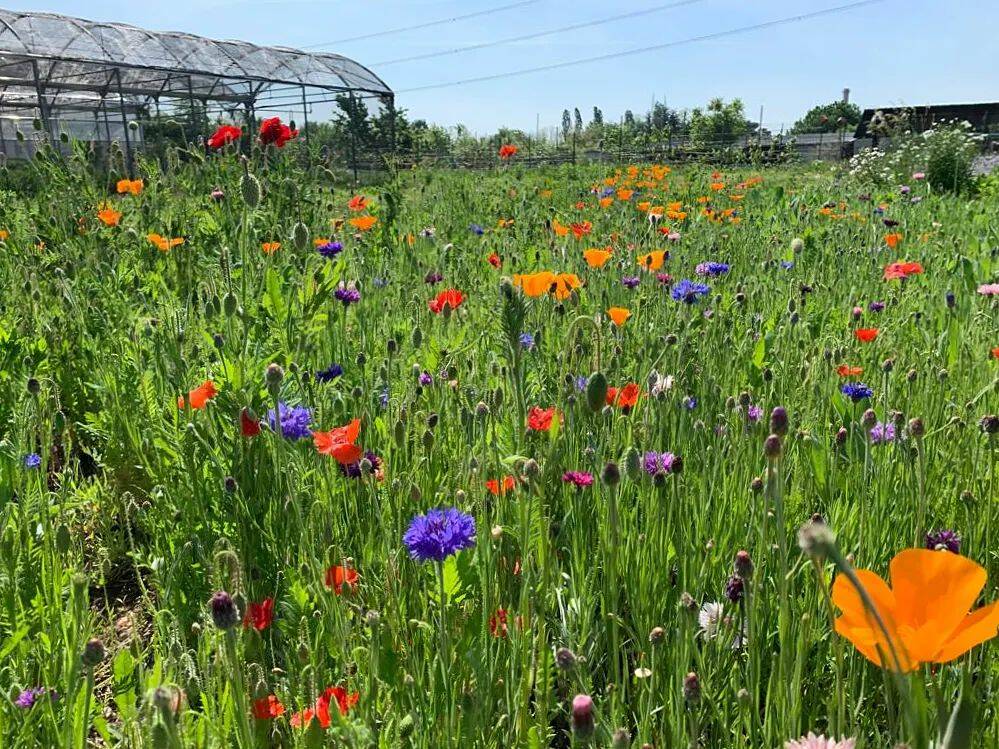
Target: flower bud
(772, 447)
(657, 635)
(224, 612)
(743, 565)
(596, 391)
(273, 376)
(778, 421)
(611, 474)
(869, 418)
(583, 721)
(692, 688)
(565, 659)
(93, 653)
(916, 427)
(249, 188)
(816, 539)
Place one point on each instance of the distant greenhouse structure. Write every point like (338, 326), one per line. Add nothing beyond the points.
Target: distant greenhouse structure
(90, 79)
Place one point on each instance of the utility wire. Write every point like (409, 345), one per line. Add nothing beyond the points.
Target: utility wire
(653, 48)
(539, 34)
(425, 25)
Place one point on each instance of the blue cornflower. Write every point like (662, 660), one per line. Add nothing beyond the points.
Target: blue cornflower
(439, 534)
(476, 230)
(711, 269)
(876, 306)
(581, 382)
(294, 420)
(32, 460)
(425, 379)
(383, 398)
(688, 291)
(330, 373)
(787, 264)
(330, 249)
(690, 403)
(526, 341)
(631, 282)
(856, 391)
(654, 463)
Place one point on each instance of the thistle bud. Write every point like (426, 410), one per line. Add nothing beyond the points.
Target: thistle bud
(273, 376)
(565, 659)
(621, 739)
(816, 539)
(93, 653)
(692, 688)
(778, 421)
(657, 635)
(583, 722)
(772, 447)
(869, 418)
(797, 245)
(841, 436)
(611, 474)
(224, 612)
(743, 565)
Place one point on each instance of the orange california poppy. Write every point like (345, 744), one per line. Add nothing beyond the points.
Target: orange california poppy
(199, 396)
(109, 216)
(498, 489)
(595, 258)
(643, 205)
(357, 203)
(736, 198)
(716, 186)
(893, 239)
(540, 419)
(619, 315)
(339, 443)
(564, 284)
(900, 269)
(703, 199)
(340, 578)
(652, 261)
(925, 611)
(534, 284)
(866, 335)
(270, 248)
(320, 241)
(505, 223)
(130, 186)
(4, 235)
(625, 194)
(559, 229)
(544, 193)
(581, 229)
(606, 202)
(363, 223)
(845, 370)
(162, 243)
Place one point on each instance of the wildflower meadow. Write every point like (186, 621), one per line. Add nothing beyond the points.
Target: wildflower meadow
(611, 455)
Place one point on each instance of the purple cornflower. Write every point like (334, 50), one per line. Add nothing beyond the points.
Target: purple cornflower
(579, 479)
(329, 374)
(347, 294)
(711, 268)
(353, 470)
(664, 278)
(433, 277)
(631, 282)
(856, 391)
(425, 379)
(881, 433)
(735, 589)
(476, 230)
(876, 306)
(383, 398)
(753, 413)
(688, 291)
(581, 382)
(32, 460)
(944, 539)
(294, 421)
(439, 534)
(330, 249)
(526, 341)
(690, 403)
(654, 463)
(29, 697)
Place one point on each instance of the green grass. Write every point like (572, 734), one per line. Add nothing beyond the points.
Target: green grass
(140, 510)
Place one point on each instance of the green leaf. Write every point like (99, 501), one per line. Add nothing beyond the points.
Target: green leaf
(12, 641)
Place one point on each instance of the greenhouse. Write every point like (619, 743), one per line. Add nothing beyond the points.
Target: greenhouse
(91, 80)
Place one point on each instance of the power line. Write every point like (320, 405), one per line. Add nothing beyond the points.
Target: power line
(538, 34)
(425, 25)
(653, 48)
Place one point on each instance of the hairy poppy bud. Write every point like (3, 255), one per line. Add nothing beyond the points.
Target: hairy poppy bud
(633, 463)
(300, 236)
(249, 188)
(596, 391)
(797, 245)
(621, 739)
(816, 539)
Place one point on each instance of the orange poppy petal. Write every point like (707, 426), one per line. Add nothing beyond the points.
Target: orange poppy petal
(974, 629)
(934, 590)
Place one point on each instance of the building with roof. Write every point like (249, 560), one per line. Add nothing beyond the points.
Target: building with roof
(91, 79)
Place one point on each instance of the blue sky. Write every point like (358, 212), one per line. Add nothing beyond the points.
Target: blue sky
(894, 52)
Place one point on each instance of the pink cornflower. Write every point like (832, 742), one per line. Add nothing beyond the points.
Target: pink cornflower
(811, 741)
(579, 479)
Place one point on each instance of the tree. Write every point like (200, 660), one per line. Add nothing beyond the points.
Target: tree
(577, 127)
(566, 124)
(719, 123)
(829, 118)
(598, 116)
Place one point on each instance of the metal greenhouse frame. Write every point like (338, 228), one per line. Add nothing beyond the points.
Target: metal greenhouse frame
(91, 79)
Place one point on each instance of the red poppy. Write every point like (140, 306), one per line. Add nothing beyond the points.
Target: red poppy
(449, 297)
(267, 708)
(507, 151)
(339, 443)
(357, 203)
(866, 335)
(581, 229)
(626, 398)
(321, 710)
(845, 370)
(225, 135)
(901, 270)
(200, 396)
(274, 132)
(497, 489)
(995, 353)
(259, 615)
(337, 577)
(540, 419)
(495, 260)
(248, 426)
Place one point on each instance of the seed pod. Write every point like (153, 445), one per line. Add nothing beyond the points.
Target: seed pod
(249, 188)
